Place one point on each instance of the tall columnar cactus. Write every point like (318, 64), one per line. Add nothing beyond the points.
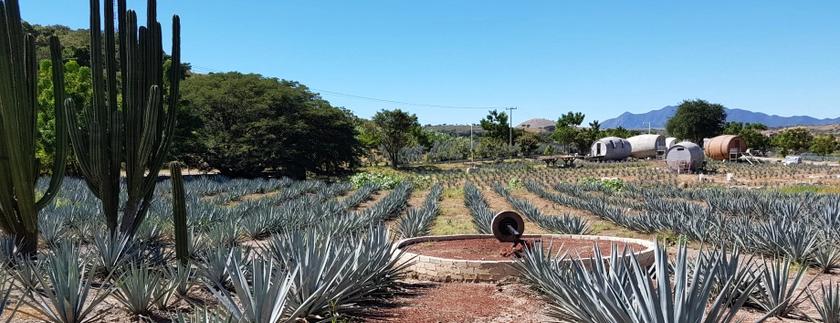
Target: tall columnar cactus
(19, 205)
(130, 129)
(179, 215)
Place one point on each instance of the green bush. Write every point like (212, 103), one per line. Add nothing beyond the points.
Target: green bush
(385, 181)
(608, 184)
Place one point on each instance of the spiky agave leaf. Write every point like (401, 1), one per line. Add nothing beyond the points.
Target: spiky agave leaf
(67, 285)
(828, 303)
(113, 251)
(621, 290)
(181, 277)
(260, 299)
(779, 294)
(139, 288)
(827, 256)
(203, 315)
(337, 272)
(215, 263)
(7, 285)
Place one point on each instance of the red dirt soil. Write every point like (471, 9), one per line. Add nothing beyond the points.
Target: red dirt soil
(466, 302)
(492, 249)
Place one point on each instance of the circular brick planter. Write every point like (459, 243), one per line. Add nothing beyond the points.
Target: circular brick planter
(445, 270)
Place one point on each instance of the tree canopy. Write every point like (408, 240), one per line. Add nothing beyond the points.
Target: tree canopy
(249, 124)
(750, 132)
(697, 119)
(795, 140)
(824, 145)
(78, 86)
(496, 126)
(395, 129)
(567, 132)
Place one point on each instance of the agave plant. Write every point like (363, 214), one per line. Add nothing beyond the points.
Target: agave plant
(65, 296)
(621, 290)
(779, 294)
(139, 288)
(261, 294)
(827, 256)
(215, 263)
(828, 304)
(180, 277)
(113, 251)
(7, 285)
(203, 315)
(337, 272)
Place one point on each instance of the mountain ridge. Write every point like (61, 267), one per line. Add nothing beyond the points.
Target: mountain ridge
(659, 117)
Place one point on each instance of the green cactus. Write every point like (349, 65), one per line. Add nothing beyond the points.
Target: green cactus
(132, 129)
(179, 214)
(19, 205)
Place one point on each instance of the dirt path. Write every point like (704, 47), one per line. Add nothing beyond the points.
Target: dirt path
(465, 302)
(454, 217)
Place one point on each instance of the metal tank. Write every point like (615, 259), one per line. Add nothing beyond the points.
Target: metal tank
(725, 147)
(647, 146)
(684, 157)
(611, 148)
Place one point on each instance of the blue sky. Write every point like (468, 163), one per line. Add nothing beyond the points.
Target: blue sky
(544, 57)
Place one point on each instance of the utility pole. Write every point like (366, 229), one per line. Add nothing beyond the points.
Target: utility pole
(510, 119)
(472, 152)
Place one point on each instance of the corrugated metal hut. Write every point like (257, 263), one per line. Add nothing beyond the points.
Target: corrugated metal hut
(725, 147)
(685, 156)
(611, 148)
(670, 142)
(647, 146)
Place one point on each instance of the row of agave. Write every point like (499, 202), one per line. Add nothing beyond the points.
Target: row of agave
(712, 287)
(311, 209)
(482, 214)
(801, 227)
(564, 223)
(418, 221)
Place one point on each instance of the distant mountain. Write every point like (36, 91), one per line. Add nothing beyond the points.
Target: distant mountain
(538, 125)
(658, 118)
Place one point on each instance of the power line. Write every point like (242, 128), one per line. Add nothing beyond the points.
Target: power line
(440, 106)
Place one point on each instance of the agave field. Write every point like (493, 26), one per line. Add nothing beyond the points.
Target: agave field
(269, 250)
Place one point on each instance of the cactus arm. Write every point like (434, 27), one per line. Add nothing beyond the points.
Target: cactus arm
(7, 103)
(157, 159)
(179, 213)
(60, 126)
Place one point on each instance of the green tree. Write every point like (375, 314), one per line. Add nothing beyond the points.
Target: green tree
(824, 145)
(794, 140)
(750, 132)
(566, 130)
(585, 137)
(697, 119)
(620, 132)
(77, 85)
(528, 142)
(252, 124)
(496, 126)
(368, 137)
(395, 129)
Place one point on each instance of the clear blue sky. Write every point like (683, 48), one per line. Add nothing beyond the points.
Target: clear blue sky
(545, 57)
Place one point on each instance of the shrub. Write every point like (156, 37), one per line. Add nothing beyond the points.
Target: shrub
(384, 181)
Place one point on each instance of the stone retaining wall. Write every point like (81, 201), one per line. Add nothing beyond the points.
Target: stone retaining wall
(447, 270)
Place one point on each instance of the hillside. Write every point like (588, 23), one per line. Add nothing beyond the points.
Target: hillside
(659, 117)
